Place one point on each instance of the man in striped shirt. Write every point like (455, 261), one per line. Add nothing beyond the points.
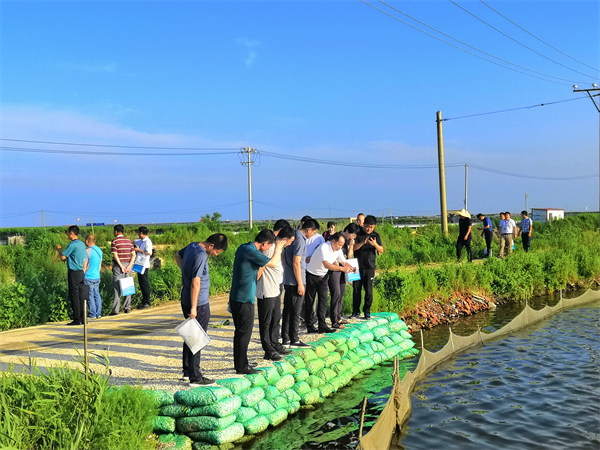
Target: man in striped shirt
(123, 259)
(526, 229)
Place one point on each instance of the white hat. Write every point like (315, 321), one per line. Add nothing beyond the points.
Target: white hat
(463, 212)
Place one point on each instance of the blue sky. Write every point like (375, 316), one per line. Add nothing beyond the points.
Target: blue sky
(333, 80)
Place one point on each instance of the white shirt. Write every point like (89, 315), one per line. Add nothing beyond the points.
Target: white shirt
(324, 253)
(508, 226)
(146, 246)
(312, 244)
(268, 285)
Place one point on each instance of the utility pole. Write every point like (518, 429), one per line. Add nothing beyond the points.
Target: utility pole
(391, 217)
(382, 217)
(43, 221)
(466, 184)
(440, 140)
(526, 197)
(595, 88)
(249, 151)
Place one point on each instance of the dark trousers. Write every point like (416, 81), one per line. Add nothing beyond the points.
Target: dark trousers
(488, 234)
(337, 288)
(269, 315)
(78, 294)
(243, 319)
(290, 320)
(316, 286)
(145, 287)
(191, 361)
(460, 243)
(526, 241)
(366, 283)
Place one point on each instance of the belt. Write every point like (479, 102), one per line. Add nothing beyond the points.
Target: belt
(506, 234)
(317, 276)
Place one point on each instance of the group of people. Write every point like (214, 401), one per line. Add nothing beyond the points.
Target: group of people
(507, 228)
(83, 274)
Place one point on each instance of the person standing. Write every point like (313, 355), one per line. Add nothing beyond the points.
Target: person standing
(123, 259)
(368, 246)
(330, 231)
(91, 267)
(143, 250)
(337, 280)
(248, 260)
(74, 254)
(487, 233)
(526, 229)
(509, 230)
(360, 220)
(195, 286)
(464, 235)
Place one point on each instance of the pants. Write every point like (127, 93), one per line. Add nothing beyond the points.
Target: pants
(337, 288)
(117, 275)
(145, 287)
(460, 243)
(94, 300)
(488, 234)
(506, 243)
(191, 362)
(316, 286)
(78, 293)
(526, 241)
(366, 282)
(292, 305)
(243, 319)
(269, 315)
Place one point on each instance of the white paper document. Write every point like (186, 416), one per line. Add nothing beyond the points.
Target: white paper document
(193, 335)
(352, 276)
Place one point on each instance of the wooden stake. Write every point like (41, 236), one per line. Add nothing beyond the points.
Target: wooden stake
(362, 417)
(85, 353)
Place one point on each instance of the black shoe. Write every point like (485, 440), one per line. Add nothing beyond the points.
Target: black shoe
(273, 356)
(355, 315)
(253, 364)
(74, 323)
(127, 311)
(202, 381)
(325, 330)
(285, 342)
(113, 314)
(299, 344)
(145, 306)
(311, 330)
(247, 371)
(335, 325)
(367, 316)
(282, 350)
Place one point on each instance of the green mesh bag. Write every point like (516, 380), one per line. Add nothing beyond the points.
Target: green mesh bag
(252, 396)
(380, 331)
(352, 356)
(301, 375)
(187, 425)
(328, 346)
(342, 349)
(293, 407)
(270, 392)
(414, 351)
(345, 377)
(275, 418)
(389, 316)
(320, 350)
(222, 408)
(307, 354)
(286, 382)
(367, 363)
(352, 343)
(337, 368)
(256, 425)
(380, 320)
(164, 424)
(284, 368)
(326, 390)
(390, 352)
(271, 374)
(346, 363)
(296, 361)
(406, 344)
(361, 327)
(371, 324)
(367, 336)
(175, 442)
(332, 358)
(264, 407)
(301, 388)
(339, 338)
(355, 370)
(291, 396)
(386, 341)
(230, 434)
(310, 397)
(397, 326)
(314, 366)
(376, 357)
(367, 348)
(377, 346)
(256, 379)
(326, 374)
(173, 410)
(396, 338)
(405, 354)
(336, 383)
(235, 385)
(406, 335)
(279, 402)
(163, 398)
(361, 352)
(244, 414)
(315, 381)
(205, 446)
(202, 396)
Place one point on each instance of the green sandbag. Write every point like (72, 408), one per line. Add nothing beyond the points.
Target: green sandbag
(352, 356)
(414, 351)
(271, 374)
(352, 343)
(380, 331)
(371, 324)
(328, 346)
(396, 338)
(235, 385)
(284, 368)
(222, 408)
(389, 316)
(326, 374)
(366, 363)
(175, 410)
(187, 425)
(326, 390)
(380, 320)
(301, 388)
(293, 407)
(286, 382)
(367, 336)
(339, 339)
(392, 351)
(405, 354)
(163, 424)
(337, 368)
(244, 414)
(301, 375)
(230, 434)
(175, 442)
(406, 335)
(342, 349)
(346, 363)
(355, 370)
(202, 396)
(295, 361)
(291, 396)
(310, 397)
(307, 354)
(256, 379)
(279, 402)
(397, 326)
(386, 341)
(345, 378)
(331, 359)
(361, 352)
(204, 446)
(314, 381)
(376, 357)
(377, 346)
(314, 366)
(270, 392)
(252, 396)
(275, 418)
(406, 344)
(256, 425)
(320, 350)
(163, 398)
(361, 327)
(367, 347)
(264, 407)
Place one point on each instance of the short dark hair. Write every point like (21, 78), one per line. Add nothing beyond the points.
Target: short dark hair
(286, 232)
(330, 224)
(265, 237)
(524, 212)
(336, 237)
(119, 228)
(280, 224)
(305, 218)
(143, 230)
(352, 228)
(218, 240)
(507, 213)
(502, 214)
(479, 215)
(310, 223)
(370, 220)
(73, 229)
(359, 214)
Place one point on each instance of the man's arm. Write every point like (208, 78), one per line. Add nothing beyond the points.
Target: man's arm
(60, 252)
(274, 261)
(377, 244)
(468, 233)
(116, 257)
(351, 248)
(260, 273)
(131, 261)
(530, 227)
(345, 267)
(195, 292)
(298, 274)
(179, 260)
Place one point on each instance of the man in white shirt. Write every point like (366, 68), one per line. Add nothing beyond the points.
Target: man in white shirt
(143, 250)
(317, 270)
(509, 231)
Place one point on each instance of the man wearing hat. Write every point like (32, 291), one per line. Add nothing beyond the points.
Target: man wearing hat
(464, 235)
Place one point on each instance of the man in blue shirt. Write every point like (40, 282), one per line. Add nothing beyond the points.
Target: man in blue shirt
(487, 233)
(526, 229)
(91, 267)
(74, 254)
(248, 260)
(195, 280)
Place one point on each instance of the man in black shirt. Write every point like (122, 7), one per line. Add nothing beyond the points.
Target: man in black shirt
(464, 235)
(367, 247)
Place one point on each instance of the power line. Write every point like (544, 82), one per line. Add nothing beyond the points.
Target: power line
(129, 214)
(81, 152)
(520, 43)
(532, 177)
(117, 146)
(539, 39)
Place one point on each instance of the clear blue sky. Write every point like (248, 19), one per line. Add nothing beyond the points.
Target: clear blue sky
(328, 80)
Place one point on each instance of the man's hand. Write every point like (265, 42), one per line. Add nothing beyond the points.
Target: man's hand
(308, 259)
(280, 244)
(301, 290)
(373, 242)
(530, 234)
(193, 313)
(59, 247)
(466, 237)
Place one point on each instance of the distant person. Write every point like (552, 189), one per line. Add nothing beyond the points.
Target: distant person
(368, 246)
(304, 219)
(327, 235)
(360, 220)
(195, 286)
(143, 249)
(337, 280)
(509, 231)
(487, 233)
(91, 267)
(74, 254)
(248, 260)
(328, 257)
(268, 297)
(294, 280)
(464, 235)
(500, 228)
(123, 260)
(526, 229)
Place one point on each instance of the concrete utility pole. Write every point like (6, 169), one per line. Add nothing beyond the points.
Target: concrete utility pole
(526, 197)
(43, 221)
(249, 151)
(466, 183)
(595, 88)
(391, 217)
(440, 140)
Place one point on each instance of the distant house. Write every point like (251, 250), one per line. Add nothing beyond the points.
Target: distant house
(546, 214)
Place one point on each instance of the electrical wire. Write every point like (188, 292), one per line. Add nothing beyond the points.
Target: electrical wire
(11, 215)
(520, 43)
(532, 177)
(81, 152)
(117, 146)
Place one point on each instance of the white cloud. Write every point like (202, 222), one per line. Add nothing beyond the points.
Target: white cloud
(250, 45)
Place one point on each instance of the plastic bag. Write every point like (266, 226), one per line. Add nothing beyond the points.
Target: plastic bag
(271, 374)
(386, 341)
(164, 424)
(202, 396)
(326, 390)
(296, 361)
(235, 385)
(256, 379)
(244, 414)
(275, 418)
(352, 343)
(252, 396)
(284, 368)
(301, 375)
(310, 397)
(315, 381)
(342, 349)
(314, 366)
(256, 425)
(286, 382)
(230, 434)
(367, 336)
(320, 350)
(270, 392)
(291, 396)
(301, 388)
(175, 410)
(279, 402)
(380, 331)
(332, 358)
(222, 408)
(162, 398)
(264, 407)
(352, 356)
(406, 335)
(307, 354)
(293, 407)
(326, 374)
(187, 425)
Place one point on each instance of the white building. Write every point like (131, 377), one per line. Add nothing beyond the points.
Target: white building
(546, 214)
